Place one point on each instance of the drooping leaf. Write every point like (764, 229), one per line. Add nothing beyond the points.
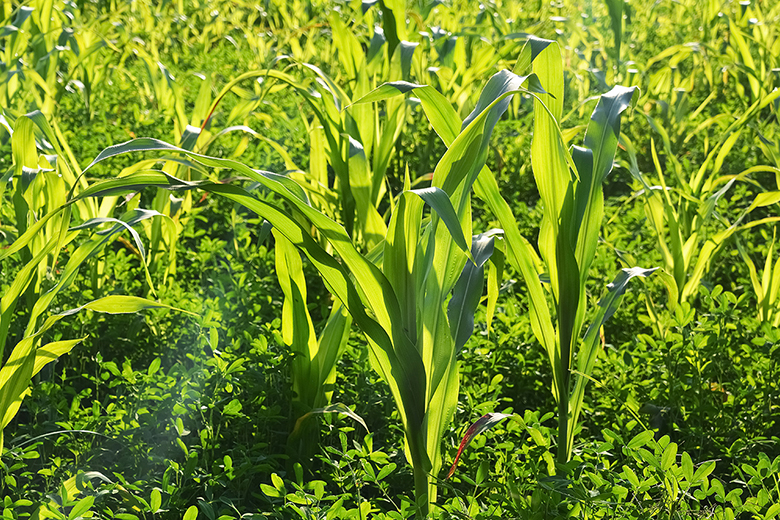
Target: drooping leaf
(484, 423)
(51, 351)
(338, 408)
(387, 90)
(437, 199)
(118, 304)
(468, 291)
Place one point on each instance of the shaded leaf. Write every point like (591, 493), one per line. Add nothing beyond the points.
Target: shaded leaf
(339, 408)
(468, 291)
(437, 199)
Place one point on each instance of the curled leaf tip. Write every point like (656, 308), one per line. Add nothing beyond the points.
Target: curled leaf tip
(482, 424)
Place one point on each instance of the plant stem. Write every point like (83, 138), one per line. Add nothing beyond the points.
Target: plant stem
(563, 424)
(422, 495)
(421, 491)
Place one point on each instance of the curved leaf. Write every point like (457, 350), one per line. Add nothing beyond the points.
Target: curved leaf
(438, 199)
(589, 348)
(484, 423)
(468, 291)
(338, 408)
(386, 91)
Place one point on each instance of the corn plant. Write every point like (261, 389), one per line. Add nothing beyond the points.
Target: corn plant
(680, 207)
(357, 142)
(571, 192)
(399, 299)
(44, 204)
(358, 145)
(767, 287)
(570, 187)
(314, 365)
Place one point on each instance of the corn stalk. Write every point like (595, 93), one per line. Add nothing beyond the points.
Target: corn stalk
(399, 300)
(570, 186)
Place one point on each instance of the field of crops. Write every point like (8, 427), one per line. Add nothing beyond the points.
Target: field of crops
(392, 259)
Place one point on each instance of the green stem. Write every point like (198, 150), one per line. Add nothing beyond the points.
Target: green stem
(422, 484)
(563, 425)
(421, 491)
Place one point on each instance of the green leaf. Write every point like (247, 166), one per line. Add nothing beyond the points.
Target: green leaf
(703, 471)
(499, 84)
(277, 482)
(117, 304)
(495, 275)
(371, 224)
(629, 474)
(51, 351)
(297, 326)
(155, 501)
(400, 254)
(640, 439)
(669, 456)
(81, 507)
(687, 466)
(191, 513)
(468, 291)
(482, 472)
(270, 491)
(522, 257)
(484, 423)
(615, 8)
(387, 90)
(147, 144)
(232, 408)
(438, 199)
(140, 180)
(601, 138)
(533, 48)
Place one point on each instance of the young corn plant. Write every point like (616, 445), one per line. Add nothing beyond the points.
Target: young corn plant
(42, 183)
(680, 208)
(314, 364)
(570, 185)
(767, 287)
(358, 144)
(43, 186)
(415, 297)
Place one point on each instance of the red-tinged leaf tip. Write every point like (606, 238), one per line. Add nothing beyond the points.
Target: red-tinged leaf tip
(482, 424)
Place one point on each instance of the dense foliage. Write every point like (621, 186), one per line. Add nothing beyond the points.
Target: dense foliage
(316, 259)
